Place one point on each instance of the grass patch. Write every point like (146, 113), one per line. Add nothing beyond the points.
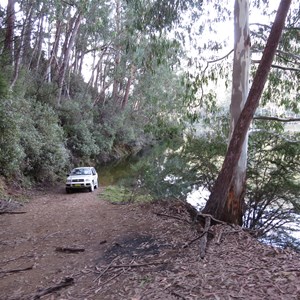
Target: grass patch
(119, 194)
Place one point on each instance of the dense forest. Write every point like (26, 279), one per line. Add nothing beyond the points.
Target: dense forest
(82, 78)
(90, 81)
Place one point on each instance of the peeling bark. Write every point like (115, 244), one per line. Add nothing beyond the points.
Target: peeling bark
(240, 88)
(217, 201)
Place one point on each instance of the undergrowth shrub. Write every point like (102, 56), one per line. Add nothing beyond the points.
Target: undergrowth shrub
(32, 141)
(79, 129)
(11, 151)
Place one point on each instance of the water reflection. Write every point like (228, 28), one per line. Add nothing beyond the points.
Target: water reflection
(173, 174)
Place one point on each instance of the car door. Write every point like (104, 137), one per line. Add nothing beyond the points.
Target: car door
(95, 176)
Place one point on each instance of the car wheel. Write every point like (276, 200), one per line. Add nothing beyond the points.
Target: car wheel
(68, 191)
(92, 187)
(97, 185)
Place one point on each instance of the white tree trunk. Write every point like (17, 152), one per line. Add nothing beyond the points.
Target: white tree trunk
(240, 89)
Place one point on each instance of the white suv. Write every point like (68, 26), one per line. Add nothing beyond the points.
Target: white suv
(82, 178)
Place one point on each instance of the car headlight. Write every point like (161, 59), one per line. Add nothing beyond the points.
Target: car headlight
(69, 180)
(88, 180)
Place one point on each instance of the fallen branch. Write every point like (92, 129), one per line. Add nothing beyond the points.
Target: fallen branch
(64, 283)
(12, 212)
(173, 217)
(215, 221)
(105, 270)
(16, 258)
(127, 267)
(16, 270)
(194, 240)
(69, 250)
(218, 242)
(137, 265)
(108, 280)
(203, 240)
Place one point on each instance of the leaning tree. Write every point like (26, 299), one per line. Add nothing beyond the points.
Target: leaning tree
(223, 204)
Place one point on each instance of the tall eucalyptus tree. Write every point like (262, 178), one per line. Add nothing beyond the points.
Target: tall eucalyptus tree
(240, 87)
(217, 200)
(8, 47)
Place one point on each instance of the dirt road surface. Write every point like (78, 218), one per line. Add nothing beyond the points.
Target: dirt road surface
(79, 246)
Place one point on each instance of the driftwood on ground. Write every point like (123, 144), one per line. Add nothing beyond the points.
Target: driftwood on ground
(12, 212)
(69, 249)
(15, 270)
(64, 283)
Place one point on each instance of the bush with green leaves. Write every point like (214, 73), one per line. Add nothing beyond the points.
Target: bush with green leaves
(273, 185)
(43, 142)
(272, 204)
(78, 124)
(174, 169)
(11, 151)
(32, 141)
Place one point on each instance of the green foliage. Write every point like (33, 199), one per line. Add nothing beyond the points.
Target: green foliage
(282, 88)
(273, 184)
(163, 130)
(156, 16)
(77, 121)
(3, 87)
(31, 140)
(11, 152)
(175, 169)
(42, 141)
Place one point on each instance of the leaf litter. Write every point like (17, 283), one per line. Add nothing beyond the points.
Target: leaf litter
(135, 251)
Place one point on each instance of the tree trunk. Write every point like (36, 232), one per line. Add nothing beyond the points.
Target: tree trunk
(233, 211)
(53, 63)
(40, 43)
(66, 56)
(128, 85)
(217, 200)
(26, 51)
(116, 84)
(20, 48)
(9, 34)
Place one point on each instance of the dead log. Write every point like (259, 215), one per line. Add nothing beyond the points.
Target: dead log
(64, 283)
(69, 250)
(16, 270)
(12, 212)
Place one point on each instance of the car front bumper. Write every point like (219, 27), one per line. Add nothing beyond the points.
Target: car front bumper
(77, 185)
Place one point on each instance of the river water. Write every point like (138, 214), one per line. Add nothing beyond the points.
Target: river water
(126, 170)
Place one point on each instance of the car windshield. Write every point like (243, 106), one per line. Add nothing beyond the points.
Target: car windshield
(81, 171)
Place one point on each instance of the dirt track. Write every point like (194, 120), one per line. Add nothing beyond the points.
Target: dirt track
(130, 252)
(36, 241)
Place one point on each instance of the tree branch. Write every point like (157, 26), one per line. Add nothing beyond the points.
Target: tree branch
(284, 120)
(295, 56)
(279, 67)
(16, 270)
(221, 58)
